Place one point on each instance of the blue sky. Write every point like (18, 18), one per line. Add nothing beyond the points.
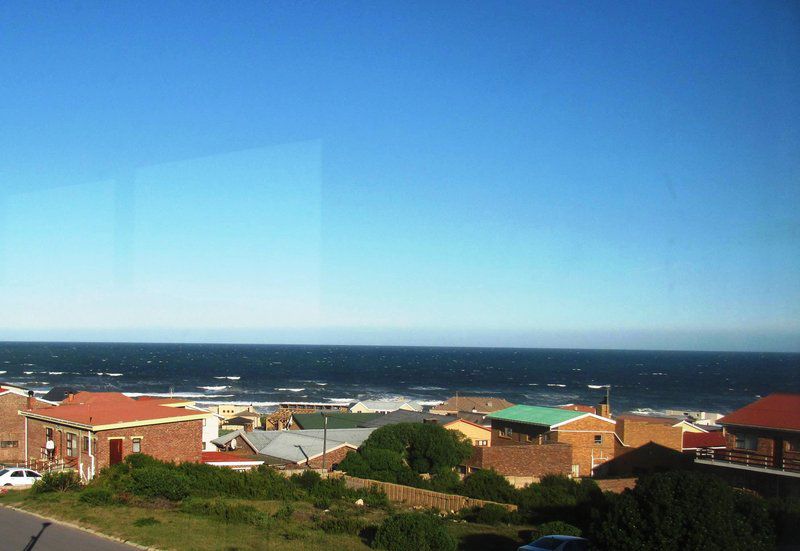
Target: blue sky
(616, 175)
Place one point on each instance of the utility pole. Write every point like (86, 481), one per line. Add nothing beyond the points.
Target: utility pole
(324, 439)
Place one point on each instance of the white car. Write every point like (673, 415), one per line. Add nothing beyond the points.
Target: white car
(15, 476)
(557, 543)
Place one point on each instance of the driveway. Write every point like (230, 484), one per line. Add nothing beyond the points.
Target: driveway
(25, 532)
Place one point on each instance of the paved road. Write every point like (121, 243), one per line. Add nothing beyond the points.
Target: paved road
(25, 532)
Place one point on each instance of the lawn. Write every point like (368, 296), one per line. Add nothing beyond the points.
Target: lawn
(163, 525)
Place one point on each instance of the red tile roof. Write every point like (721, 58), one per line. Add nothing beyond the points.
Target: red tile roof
(776, 411)
(111, 410)
(694, 440)
(85, 397)
(225, 457)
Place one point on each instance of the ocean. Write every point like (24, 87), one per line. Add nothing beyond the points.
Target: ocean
(264, 375)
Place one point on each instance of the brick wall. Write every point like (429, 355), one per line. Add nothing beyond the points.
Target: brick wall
(582, 436)
(331, 458)
(12, 427)
(181, 441)
(523, 460)
(635, 433)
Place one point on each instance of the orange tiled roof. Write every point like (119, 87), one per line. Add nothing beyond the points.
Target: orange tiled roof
(112, 410)
(776, 411)
(694, 440)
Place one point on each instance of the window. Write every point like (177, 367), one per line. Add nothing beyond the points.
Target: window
(481, 442)
(85, 444)
(746, 442)
(598, 438)
(32, 474)
(48, 433)
(507, 432)
(71, 444)
(137, 445)
(18, 474)
(9, 444)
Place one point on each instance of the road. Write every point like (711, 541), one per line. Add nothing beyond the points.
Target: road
(25, 532)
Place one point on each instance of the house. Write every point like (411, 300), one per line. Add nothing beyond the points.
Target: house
(336, 420)
(12, 427)
(309, 407)
(475, 433)
(522, 464)
(591, 436)
(232, 410)
(239, 423)
(211, 424)
(765, 434)
(295, 448)
(59, 393)
(97, 429)
(471, 404)
(384, 406)
(635, 430)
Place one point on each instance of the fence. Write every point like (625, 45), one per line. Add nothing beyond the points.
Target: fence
(419, 497)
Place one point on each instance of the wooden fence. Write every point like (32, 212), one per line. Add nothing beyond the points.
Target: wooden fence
(419, 497)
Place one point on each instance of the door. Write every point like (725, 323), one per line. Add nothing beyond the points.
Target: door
(115, 451)
(777, 453)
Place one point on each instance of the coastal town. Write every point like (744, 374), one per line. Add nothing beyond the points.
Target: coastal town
(755, 447)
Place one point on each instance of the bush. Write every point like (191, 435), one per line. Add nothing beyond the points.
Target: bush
(375, 497)
(227, 512)
(785, 513)
(491, 513)
(416, 531)
(557, 497)
(284, 513)
(158, 481)
(342, 525)
(380, 464)
(488, 485)
(556, 527)
(146, 521)
(684, 510)
(63, 481)
(424, 447)
(307, 480)
(96, 496)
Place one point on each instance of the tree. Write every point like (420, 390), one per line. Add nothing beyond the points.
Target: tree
(417, 531)
(487, 484)
(684, 510)
(426, 448)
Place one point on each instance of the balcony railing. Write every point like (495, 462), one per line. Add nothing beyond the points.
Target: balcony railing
(789, 463)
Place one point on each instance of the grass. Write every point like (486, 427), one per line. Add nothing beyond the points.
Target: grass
(161, 524)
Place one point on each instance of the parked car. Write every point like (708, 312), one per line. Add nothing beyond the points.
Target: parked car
(15, 476)
(557, 543)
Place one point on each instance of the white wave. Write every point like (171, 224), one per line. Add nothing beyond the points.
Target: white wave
(291, 389)
(28, 372)
(426, 388)
(556, 384)
(3, 372)
(321, 384)
(221, 387)
(100, 373)
(533, 384)
(233, 378)
(657, 373)
(114, 374)
(342, 400)
(55, 372)
(29, 365)
(177, 395)
(431, 403)
(237, 403)
(596, 386)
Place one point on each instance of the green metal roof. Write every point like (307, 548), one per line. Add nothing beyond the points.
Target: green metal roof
(335, 420)
(535, 415)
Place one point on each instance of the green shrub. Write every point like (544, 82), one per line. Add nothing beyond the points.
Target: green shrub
(146, 521)
(342, 525)
(307, 480)
(424, 447)
(785, 513)
(284, 513)
(556, 527)
(158, 481)
(487, 484)
(96, 496)
(683, 510)
(141, 460)
(413, 531)
(491, 513)
(63, 481)
(557, 497)
(227, 512)
(375, 497)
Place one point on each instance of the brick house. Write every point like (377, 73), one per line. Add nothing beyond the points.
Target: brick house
(477, 434)
(471, 404)
(522, 464)
(592, 438)
(295, 449)
(12, 425)
(95, 430)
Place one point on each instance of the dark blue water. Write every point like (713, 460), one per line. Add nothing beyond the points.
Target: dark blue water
(266, 374)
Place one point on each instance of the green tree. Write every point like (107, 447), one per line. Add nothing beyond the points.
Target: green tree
(487, 484)
(426, 448)
(413, 531)
(684, 510)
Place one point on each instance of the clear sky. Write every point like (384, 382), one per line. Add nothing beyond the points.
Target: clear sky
(606, 174)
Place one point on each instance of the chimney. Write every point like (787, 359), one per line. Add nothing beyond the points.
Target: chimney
(30, 399)
(70, 396)
(602, 408)
(248, 427)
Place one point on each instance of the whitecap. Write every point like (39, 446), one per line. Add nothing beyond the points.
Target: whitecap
(114, 374)
(28, 372)
(556, 384)
(55, 372)
(291, 389)
(596, 386)
(221, 387)
(100, 373)
(426, 388)
(3, 372)
(177, 395)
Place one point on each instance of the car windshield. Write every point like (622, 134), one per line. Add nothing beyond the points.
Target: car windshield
(3, 472)
(547, 543)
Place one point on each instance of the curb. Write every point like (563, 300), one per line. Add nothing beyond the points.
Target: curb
(81, 528)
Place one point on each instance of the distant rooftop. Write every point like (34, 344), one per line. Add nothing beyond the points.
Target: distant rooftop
(478, 404)
(536, 415)
(338, 420)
